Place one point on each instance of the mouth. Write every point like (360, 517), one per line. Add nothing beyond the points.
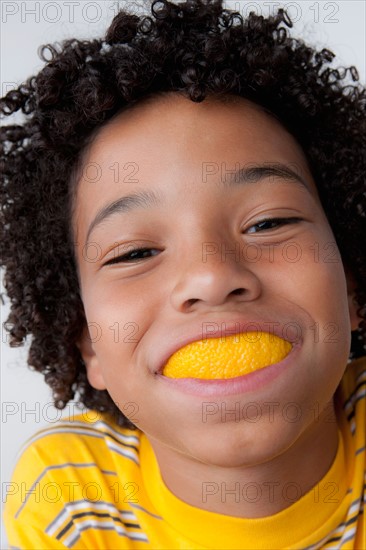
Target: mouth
(237, 385)
(221, 329)
(227, 357)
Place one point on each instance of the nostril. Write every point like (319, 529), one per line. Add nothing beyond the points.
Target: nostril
(191, 301)
(238, 291)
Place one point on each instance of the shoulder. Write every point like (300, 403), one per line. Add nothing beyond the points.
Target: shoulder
(82, 436)
(69, 483)
(77, 457)
(350, 400)
(90, 437)
(353, 383)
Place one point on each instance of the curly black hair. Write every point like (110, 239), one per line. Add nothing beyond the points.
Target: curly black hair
(196, 48)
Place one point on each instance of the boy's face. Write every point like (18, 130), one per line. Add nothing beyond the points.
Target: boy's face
(209, 264)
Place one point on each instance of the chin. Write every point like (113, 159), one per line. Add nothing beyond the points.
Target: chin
(237, 448)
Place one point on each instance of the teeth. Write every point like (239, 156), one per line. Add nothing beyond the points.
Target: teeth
(228, 356)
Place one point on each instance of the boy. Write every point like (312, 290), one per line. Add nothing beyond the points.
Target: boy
(226, 198)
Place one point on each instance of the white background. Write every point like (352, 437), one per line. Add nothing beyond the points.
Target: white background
(25, 25)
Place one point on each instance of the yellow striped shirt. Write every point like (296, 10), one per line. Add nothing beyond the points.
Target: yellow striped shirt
(86, 483)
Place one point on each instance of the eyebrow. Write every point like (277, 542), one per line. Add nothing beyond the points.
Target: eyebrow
(147, 198)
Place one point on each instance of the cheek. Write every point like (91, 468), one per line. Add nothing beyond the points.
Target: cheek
(322, 293)
(113, 333)
(112, 310)
(316, 285)
(324, 285)
(315, 271)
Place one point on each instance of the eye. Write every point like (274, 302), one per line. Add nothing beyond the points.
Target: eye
(134, 255)
(271, 223)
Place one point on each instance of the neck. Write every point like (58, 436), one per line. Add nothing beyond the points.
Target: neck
(258, 490)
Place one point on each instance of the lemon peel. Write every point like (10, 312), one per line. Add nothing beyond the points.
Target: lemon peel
(227, 356)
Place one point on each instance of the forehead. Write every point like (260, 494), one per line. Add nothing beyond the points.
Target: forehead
(169, 139)
(173, 121)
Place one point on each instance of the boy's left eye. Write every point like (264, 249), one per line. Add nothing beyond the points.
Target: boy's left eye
(271, 223)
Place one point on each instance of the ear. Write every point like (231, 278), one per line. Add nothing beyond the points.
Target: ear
(352, 304)
(93, 369)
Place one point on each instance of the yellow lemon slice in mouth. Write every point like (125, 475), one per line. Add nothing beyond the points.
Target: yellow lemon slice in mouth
(227, 357)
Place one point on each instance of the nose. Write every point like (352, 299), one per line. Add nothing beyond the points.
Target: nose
(217, 280)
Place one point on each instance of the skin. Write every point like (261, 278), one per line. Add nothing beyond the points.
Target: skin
(172, 290)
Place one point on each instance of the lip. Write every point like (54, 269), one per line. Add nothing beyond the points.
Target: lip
(238, 385)
(232, 327)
